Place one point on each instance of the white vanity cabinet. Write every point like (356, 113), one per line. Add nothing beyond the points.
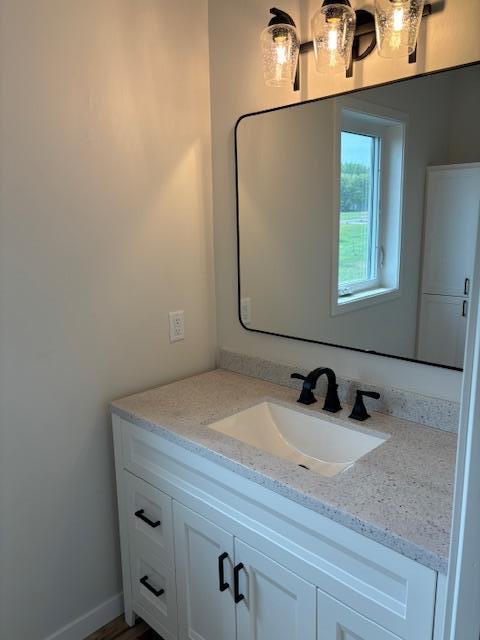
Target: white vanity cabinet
(210, 555)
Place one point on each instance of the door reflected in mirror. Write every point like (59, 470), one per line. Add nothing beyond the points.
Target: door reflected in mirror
(358, 217)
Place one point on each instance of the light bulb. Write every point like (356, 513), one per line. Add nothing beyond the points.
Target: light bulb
(398, 17)
(333, 45)
(397, 28)
(332, 39)
(282, 50)
(333, 34)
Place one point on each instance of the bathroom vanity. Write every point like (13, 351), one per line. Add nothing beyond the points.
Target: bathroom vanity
(222, 540)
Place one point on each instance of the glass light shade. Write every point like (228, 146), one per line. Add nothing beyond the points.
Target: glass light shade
(397, 23)
(280, 49)
(333, 30)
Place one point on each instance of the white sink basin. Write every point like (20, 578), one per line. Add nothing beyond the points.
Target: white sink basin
(322, 446)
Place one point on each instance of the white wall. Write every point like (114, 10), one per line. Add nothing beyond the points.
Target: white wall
(447, 39)
(105, 225)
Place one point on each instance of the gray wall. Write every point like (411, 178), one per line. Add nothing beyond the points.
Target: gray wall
(465, 131)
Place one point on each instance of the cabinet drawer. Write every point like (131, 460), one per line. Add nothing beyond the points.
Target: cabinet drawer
(154, 592)
(335, 621)
(150, 521)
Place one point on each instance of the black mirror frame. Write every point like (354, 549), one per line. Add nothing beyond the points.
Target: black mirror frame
(296, 104)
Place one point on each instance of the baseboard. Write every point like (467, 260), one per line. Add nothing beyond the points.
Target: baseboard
(83, 626)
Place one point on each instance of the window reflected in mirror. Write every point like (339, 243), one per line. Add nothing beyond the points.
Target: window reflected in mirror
(358, 248)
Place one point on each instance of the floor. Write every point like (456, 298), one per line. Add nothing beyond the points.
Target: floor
(119, 630)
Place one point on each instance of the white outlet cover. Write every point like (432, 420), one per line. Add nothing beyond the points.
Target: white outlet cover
(177, 325)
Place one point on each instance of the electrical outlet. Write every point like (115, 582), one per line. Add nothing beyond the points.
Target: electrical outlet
(177, 326)
(246, 310)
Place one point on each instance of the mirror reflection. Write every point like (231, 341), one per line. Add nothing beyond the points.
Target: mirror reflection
(358, 217)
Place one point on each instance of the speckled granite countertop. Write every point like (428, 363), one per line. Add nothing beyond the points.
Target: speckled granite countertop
(400, 494)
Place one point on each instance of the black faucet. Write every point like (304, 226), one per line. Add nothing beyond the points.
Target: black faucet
(332, 403)
(359, 411)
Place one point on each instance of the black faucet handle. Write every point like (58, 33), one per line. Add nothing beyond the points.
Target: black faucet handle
(306, 395)
(369, 394)
(359, 411)
(308, 381)
(298, 376)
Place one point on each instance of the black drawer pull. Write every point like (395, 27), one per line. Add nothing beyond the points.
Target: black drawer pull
(156, 592)
(140, 514)
(466, 288)
(237, 596)
(222, 585)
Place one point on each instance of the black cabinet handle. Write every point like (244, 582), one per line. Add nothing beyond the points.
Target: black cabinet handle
(222, 585)
(140, 514)
(465, 308)
(237, 596)
(466, 288)
(156, 592)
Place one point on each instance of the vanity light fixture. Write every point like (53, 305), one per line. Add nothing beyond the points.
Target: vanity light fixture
(280, 47)
(341, 36)
(333, 30)
(397, 24)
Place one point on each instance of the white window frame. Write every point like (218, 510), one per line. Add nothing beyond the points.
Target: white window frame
(389, 127)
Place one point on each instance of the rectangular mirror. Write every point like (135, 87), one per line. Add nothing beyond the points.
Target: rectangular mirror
(358, 216)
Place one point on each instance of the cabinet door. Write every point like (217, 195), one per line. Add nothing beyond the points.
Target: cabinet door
(338, 622)
(276, 603)
(443, 327)
(204, 611)
(452, 212)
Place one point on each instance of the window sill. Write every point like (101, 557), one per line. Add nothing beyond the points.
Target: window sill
(364, 299)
